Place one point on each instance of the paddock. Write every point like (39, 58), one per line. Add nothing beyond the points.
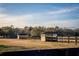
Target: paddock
(54, 37)
(37, 43)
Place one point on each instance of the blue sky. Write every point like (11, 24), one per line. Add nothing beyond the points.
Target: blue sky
(50, 15)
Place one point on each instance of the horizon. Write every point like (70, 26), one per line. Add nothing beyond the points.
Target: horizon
(39, 14)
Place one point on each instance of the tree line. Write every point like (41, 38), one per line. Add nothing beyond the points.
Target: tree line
(11, 31)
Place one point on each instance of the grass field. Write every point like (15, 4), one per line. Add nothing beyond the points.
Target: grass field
(15, 44)
(6, 48)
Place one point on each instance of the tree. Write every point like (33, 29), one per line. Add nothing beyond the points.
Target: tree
(50, 29)
(56, 29)
(8, 31)
(36, 31)
(77, 31)
(27, 30)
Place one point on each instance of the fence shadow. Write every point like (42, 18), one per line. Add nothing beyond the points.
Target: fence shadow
(45, 52)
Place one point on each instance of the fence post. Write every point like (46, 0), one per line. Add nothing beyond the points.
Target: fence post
(43, 37)
(75, 40)
(68, 39)
(57, 38)
(17, 36)
(62, 38)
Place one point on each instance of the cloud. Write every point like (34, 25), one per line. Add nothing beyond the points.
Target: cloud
(60, 11)
(3, 10)
(17, 21)
(67, 23)
(38, 19)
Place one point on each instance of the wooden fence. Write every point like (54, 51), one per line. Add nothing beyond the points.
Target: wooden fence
(69, 39)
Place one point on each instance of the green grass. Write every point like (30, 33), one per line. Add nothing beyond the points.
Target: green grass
(10, 48)
(4, 46)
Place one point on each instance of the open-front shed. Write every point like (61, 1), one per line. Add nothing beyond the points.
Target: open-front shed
(49, 36)
(22, 36)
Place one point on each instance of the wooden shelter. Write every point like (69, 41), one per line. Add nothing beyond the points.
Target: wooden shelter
(22, 36)
(49, 36)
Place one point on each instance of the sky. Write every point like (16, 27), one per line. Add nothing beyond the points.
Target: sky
(39, 14)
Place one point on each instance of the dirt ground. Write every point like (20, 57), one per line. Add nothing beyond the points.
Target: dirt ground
(37, 44)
